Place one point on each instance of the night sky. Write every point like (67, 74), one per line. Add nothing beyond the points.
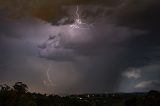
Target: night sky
(115, 48)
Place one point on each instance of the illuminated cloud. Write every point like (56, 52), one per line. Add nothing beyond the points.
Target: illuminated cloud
(132, 73)
(148, 84)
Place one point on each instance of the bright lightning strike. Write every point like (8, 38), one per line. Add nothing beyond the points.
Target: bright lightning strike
(78, 24)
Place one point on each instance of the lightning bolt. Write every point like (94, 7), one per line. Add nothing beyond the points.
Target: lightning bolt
(78, 14)
(78, 24)
(49, 81)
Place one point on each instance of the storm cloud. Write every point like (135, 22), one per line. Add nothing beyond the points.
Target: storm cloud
(121, 44)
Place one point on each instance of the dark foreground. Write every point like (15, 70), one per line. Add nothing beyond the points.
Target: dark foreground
(19, 96)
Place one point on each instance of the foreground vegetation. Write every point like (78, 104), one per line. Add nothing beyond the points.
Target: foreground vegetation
(18, 95)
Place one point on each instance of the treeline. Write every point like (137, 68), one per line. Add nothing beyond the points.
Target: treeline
(18, 95)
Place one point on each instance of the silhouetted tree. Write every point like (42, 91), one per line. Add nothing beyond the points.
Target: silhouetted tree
(5, 87)
(18, 95)
(152, 98)
(20, 87)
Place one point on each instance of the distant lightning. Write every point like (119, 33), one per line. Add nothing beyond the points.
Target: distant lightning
(49, 81)
(78, 14)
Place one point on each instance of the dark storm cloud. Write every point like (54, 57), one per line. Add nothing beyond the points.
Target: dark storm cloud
(138, 51)
(139, 13)
(109, 52)
(125, 36)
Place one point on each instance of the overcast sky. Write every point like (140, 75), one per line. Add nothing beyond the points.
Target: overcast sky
(116, 50)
